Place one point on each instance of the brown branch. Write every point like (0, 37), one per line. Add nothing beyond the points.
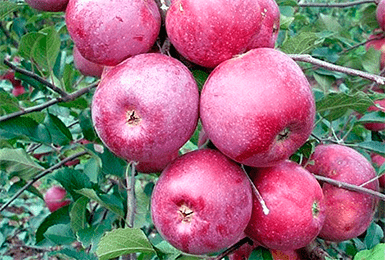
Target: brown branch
(350, 187)
(40, 107)
(338, 5)
(36, 77)
(382, 36)
(8, 35)
(330, 66)
(41, 175)
(234, 247)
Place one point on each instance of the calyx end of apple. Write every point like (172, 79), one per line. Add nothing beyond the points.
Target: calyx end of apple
(315, 209)
(133, 118)
(283, 135)
(185, 213)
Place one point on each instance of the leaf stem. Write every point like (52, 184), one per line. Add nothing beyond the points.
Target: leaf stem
(41, 175)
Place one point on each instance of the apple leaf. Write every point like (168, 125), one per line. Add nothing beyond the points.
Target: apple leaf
(20, 184)
(78, 214)
(123, 241)
(59, 132)
(378, 252)
(373, 146)
(92, 168)
(60, 234)
(376, 117)
(301, 43)
(335, 105)
(7, 7)
(371, 61)
(46, 48)
(8, 103)
(72, 180)
(374, 234)
(261, 254)
(77, 255)
(17, 162)
(166, 251)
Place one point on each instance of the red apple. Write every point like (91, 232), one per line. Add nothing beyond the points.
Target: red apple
(378, 44)
(85, 66)
(243, 252)
(296, 207)
(202, 202)
(210, 32)
(146, 108)
(268, 33)
(55, 198)
(286, 255)
(378, 161)
(380, 14)
(18, 90)
(108, 31)
(348, 213)
(258, 108)
(48, 5)
(157, 165)
(379, 106)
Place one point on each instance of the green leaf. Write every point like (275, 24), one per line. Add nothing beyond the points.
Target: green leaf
(302, 43)
(335, 105)
(123, 241)
(324, 81)
(285, 22)
(142, 211)
(59, 132)
(24, 128)
(371, 61)
(200, 77)
(7, 7)
(60, 216)
(376, 253)
(261, 254)
(72, 180)
(77, 255)
(92, 168)
(17, 162)
(374, 234)
(46, 48)
(373, 146)
(60, 234)
(373, 117)
(27, 42)
(78, 214)
(86, 125)
(166, 251)
(8, 103)
(20, 184)
(107, 201)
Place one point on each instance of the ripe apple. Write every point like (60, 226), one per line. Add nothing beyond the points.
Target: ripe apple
(146, 108)
(268, 33)
(286, 255)
(258, 108)
(157, 165)
(202, 202)
(296, 207)
(108, 31)
(380, 14)
(18, 89)
(348, 213)
(377, 45)
(85, 66)
(210, 32)
(243, 252)
(48, 5)
(376, 126)
(378, 161)
(55, 198)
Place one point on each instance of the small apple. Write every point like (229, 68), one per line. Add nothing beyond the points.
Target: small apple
(296, 207)
(85, 66)
(378, 161)
(146, 108)
(55, 198)
(348, 213)
(379, 106)
(18, 89)
(108, 31)
(210, 32)
(202, 202)
(258, 108)
(380, 14)
(48, 5)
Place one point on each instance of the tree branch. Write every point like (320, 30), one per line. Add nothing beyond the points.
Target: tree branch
(350, 187)
(36, 77)
(69, 97)
(234, 247)
(42, 174)
(333, 67)
(8, 35)
(338, 5)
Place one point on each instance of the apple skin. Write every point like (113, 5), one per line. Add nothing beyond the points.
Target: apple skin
(210, 32)
(268, 33)
(296, 207)
(108, 31)
(156, 166)
(18, 89)
(48, 5)
(258, 108)
(348, 213)
(379, 160)
(286, 255)
(376, 126)
(377, 45)
(146, 108)
(55, 198)
(202, 202)
(85, 66)
(380, 14)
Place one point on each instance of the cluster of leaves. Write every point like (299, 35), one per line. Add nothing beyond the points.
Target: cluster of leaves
(46, 135)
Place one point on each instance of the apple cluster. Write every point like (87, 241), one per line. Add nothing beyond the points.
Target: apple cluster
(256, 108)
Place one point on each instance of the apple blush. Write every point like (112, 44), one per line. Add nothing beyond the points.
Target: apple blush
(55, 198)
(202, 202)
(146, 108)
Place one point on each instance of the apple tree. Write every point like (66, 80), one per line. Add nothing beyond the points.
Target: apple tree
(103, 144)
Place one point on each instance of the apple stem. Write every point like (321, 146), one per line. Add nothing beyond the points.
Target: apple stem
(130, 187)
(265, 209)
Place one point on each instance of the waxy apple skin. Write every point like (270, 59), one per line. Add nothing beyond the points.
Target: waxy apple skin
(348, 213)
(210, 32)
(258, 108)
(202, 202)
(146, 108)
(296, 207)
(109, 31)
(55, 198)
(85, 66)
(48, 5)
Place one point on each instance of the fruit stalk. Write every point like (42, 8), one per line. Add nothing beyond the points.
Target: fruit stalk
(131, 200)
